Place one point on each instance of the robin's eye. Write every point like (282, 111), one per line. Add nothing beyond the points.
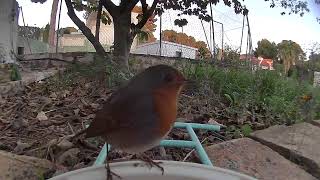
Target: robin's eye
(169, 78)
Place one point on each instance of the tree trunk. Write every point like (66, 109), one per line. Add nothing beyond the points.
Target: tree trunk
(85, 30)
(122, 39)
(98, 21)
(53, 16)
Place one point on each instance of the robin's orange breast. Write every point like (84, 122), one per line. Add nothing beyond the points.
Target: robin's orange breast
(165, 106)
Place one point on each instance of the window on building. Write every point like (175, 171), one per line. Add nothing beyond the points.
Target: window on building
(20, 50)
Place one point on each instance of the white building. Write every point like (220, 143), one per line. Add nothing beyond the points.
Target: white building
(168, 49)
(9, 12)
(78, 42)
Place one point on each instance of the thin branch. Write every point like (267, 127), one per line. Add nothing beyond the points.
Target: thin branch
(147, 15)
(144, 6)
(85, 30)
(110, 7)
(127, 6)
(98, 20)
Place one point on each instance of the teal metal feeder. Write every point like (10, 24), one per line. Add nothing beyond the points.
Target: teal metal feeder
(173, 169)
(193, 144)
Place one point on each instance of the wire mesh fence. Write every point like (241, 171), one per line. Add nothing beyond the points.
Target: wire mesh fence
(225, 32)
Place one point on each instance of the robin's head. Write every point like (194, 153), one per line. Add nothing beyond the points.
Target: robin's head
(159, 76)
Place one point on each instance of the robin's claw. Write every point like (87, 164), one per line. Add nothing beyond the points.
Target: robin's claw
(151, 163)
(110, 174)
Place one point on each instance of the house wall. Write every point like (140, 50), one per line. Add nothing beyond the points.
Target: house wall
(168, 49)
(9, 30)
(106, 36)
(72, 40)
(31, 46)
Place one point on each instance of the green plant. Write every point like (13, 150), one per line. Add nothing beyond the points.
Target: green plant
(262, 96)
(246, 129)
(15, 73)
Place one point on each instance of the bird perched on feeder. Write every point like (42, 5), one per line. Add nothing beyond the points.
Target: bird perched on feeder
(139, 115)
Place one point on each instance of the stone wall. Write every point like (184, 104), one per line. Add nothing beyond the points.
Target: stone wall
(137, 62)
(15, 87)
(36, 67)
(316, 79)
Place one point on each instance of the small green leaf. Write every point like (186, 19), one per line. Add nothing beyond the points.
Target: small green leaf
(229, 98)
(246, 130)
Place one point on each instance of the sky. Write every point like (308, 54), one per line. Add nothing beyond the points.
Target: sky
(265, 22)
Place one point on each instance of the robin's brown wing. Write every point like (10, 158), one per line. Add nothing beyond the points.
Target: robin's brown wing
(121, 111)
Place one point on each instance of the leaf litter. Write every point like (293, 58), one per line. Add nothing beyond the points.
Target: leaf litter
(41, 121)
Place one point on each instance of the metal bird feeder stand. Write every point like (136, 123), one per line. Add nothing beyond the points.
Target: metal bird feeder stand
(193, 144)
(174, 170)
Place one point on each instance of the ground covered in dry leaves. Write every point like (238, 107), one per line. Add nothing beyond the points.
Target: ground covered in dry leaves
(41, 121)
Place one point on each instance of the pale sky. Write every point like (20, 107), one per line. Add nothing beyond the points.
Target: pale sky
(264, 23)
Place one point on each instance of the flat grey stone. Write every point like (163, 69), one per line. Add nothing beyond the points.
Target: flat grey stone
(14, 167)
(299, 143)
(315, 123)
(254, 159)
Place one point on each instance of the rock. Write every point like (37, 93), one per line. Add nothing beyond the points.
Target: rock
(46, 100)
(69, 158)
(4, 146)
(90, 116)
(299, 143)
(65, 144)
(254, 159)
(14, 167)
(19, 123)
(213, 122)
(76, 112)
(94, 105)
(2, 101)
(42, 116)
(53, 95)
(65, 93)
(20, 147)
(315, 123)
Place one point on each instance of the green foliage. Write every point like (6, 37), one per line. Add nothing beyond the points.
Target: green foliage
(45, 33)
(262, 96)
(246, 129)
(266, 49)
(230, 54)
(99, 70)
(290, 53)
(15, 74)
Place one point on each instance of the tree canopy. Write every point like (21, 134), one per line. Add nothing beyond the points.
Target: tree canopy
(266, 49)
(182, 38)
(125, 30)
(290, 53)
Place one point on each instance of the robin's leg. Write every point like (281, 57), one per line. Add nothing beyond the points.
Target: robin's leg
(110, 174)
(149, 161)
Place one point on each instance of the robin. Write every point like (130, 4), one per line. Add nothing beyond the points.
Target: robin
(139, 115)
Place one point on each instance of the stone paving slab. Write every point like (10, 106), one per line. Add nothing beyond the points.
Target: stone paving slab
(299, 143)
(15, 87)
(254, 159)
(14, 167)
(315, 123)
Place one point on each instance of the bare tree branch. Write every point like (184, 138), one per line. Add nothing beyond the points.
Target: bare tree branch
(110, 7)
(85, 30)
(127, 6)
(144, 6)
(98, 20)
(147, 15)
